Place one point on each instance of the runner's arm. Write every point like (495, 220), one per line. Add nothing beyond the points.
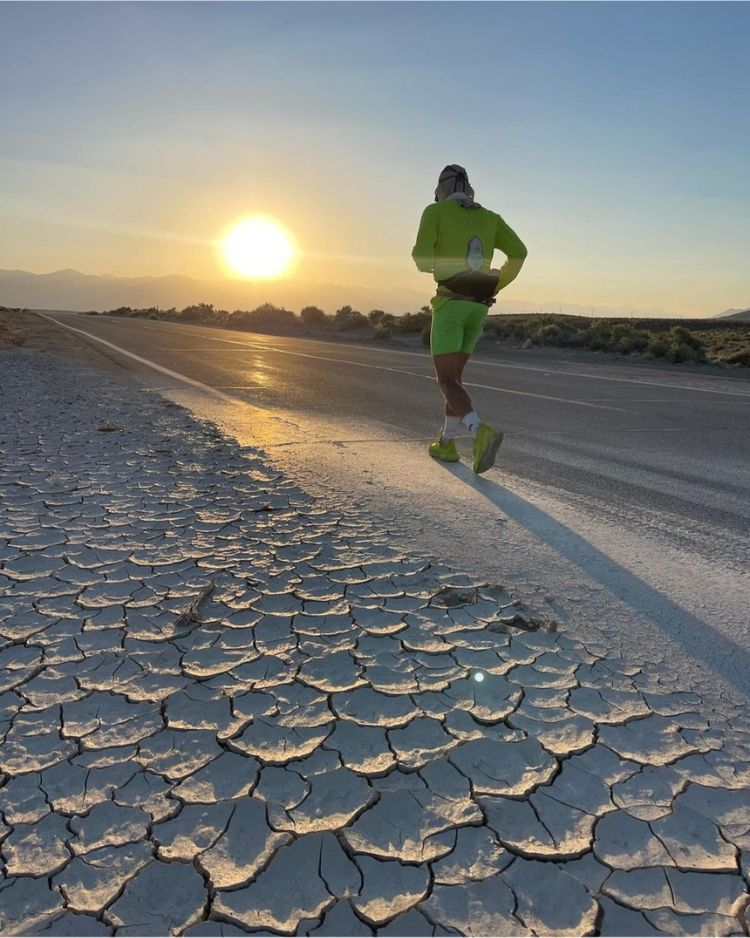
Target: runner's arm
(507, 241)
(423, 252)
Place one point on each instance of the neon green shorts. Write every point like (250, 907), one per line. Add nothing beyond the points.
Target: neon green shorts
(456, 326)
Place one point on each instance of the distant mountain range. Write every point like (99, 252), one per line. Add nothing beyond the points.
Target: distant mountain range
(70, 289)
(742, 314)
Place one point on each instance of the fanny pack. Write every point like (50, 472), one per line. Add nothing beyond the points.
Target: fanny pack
(471, 285)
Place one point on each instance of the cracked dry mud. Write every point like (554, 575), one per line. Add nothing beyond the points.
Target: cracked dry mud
(227, 708)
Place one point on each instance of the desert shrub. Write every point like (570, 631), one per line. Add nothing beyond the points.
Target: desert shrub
(655, 338)
(638, 341)
(574, 338)
(679, 335)
(145, 312)
(169, 314)
(598, 336)
(683, 352)
(625, 339)
(521, 332)
(684, 346)
(199, 312)
(264, 318)
(382, 331)
(657, 347)
(741, 358)
(514, 330)
(347, 318)
(550, 333)
(313, 316)
(411, 323)
(499, 328)
(375, 316)
(622, 337)
(148, 312)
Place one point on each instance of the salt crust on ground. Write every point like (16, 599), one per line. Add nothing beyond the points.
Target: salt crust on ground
(228, 708)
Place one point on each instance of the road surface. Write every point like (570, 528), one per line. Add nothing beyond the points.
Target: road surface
(620, 501)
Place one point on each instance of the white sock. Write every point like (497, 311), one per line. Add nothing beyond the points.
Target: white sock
(451, 428)
(471, 421)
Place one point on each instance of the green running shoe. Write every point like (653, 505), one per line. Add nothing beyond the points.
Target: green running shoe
(487, 441)
(445, 452)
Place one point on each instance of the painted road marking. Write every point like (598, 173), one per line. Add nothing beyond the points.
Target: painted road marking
(430, 377)
(342, 361)
(490, 364)
(478, 361)
(144, 361)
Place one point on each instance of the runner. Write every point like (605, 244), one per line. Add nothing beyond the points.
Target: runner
(455, 243)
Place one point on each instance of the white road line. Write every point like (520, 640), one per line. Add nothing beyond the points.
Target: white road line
(218, 387)
(546, 370)
(416, 374)
(580, 374)
(668, 400)
(493, 364)
(205, 348)
(144, 361)
(650, 430)
(654, 384)
(340, 361)
(544, 397)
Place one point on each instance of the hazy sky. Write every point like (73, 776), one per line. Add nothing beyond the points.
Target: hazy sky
(614, 137)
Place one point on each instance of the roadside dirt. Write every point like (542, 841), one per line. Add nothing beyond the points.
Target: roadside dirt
(27, 330)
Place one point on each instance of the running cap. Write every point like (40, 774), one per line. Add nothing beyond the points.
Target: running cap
(454, 183)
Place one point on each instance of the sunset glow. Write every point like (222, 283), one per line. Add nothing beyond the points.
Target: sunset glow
(623, 142)
(257, 248)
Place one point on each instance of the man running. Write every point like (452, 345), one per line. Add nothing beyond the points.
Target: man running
(455, 243)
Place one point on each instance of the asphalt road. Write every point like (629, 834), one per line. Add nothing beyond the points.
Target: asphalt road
(621, 494)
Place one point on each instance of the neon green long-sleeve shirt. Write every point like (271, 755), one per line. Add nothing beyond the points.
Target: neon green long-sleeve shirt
(443, 239)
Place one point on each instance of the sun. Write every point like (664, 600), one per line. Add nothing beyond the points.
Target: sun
(257, 248)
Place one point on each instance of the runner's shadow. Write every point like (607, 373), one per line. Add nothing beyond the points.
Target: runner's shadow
(700, 639)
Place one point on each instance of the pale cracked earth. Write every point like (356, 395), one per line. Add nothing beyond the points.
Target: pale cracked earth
(226, 708)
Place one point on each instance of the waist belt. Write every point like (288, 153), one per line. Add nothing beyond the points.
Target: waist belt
(470, 285)
(462, 296)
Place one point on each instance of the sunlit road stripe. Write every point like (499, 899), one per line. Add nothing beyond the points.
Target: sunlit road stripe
(416, 374)
(340, 361)
(495, 364)
(476, 361)
(144, 361)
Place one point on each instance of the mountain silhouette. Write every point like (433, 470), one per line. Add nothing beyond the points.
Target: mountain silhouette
(73, 290)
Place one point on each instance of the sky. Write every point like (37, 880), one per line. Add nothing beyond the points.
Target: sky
(613, 137)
